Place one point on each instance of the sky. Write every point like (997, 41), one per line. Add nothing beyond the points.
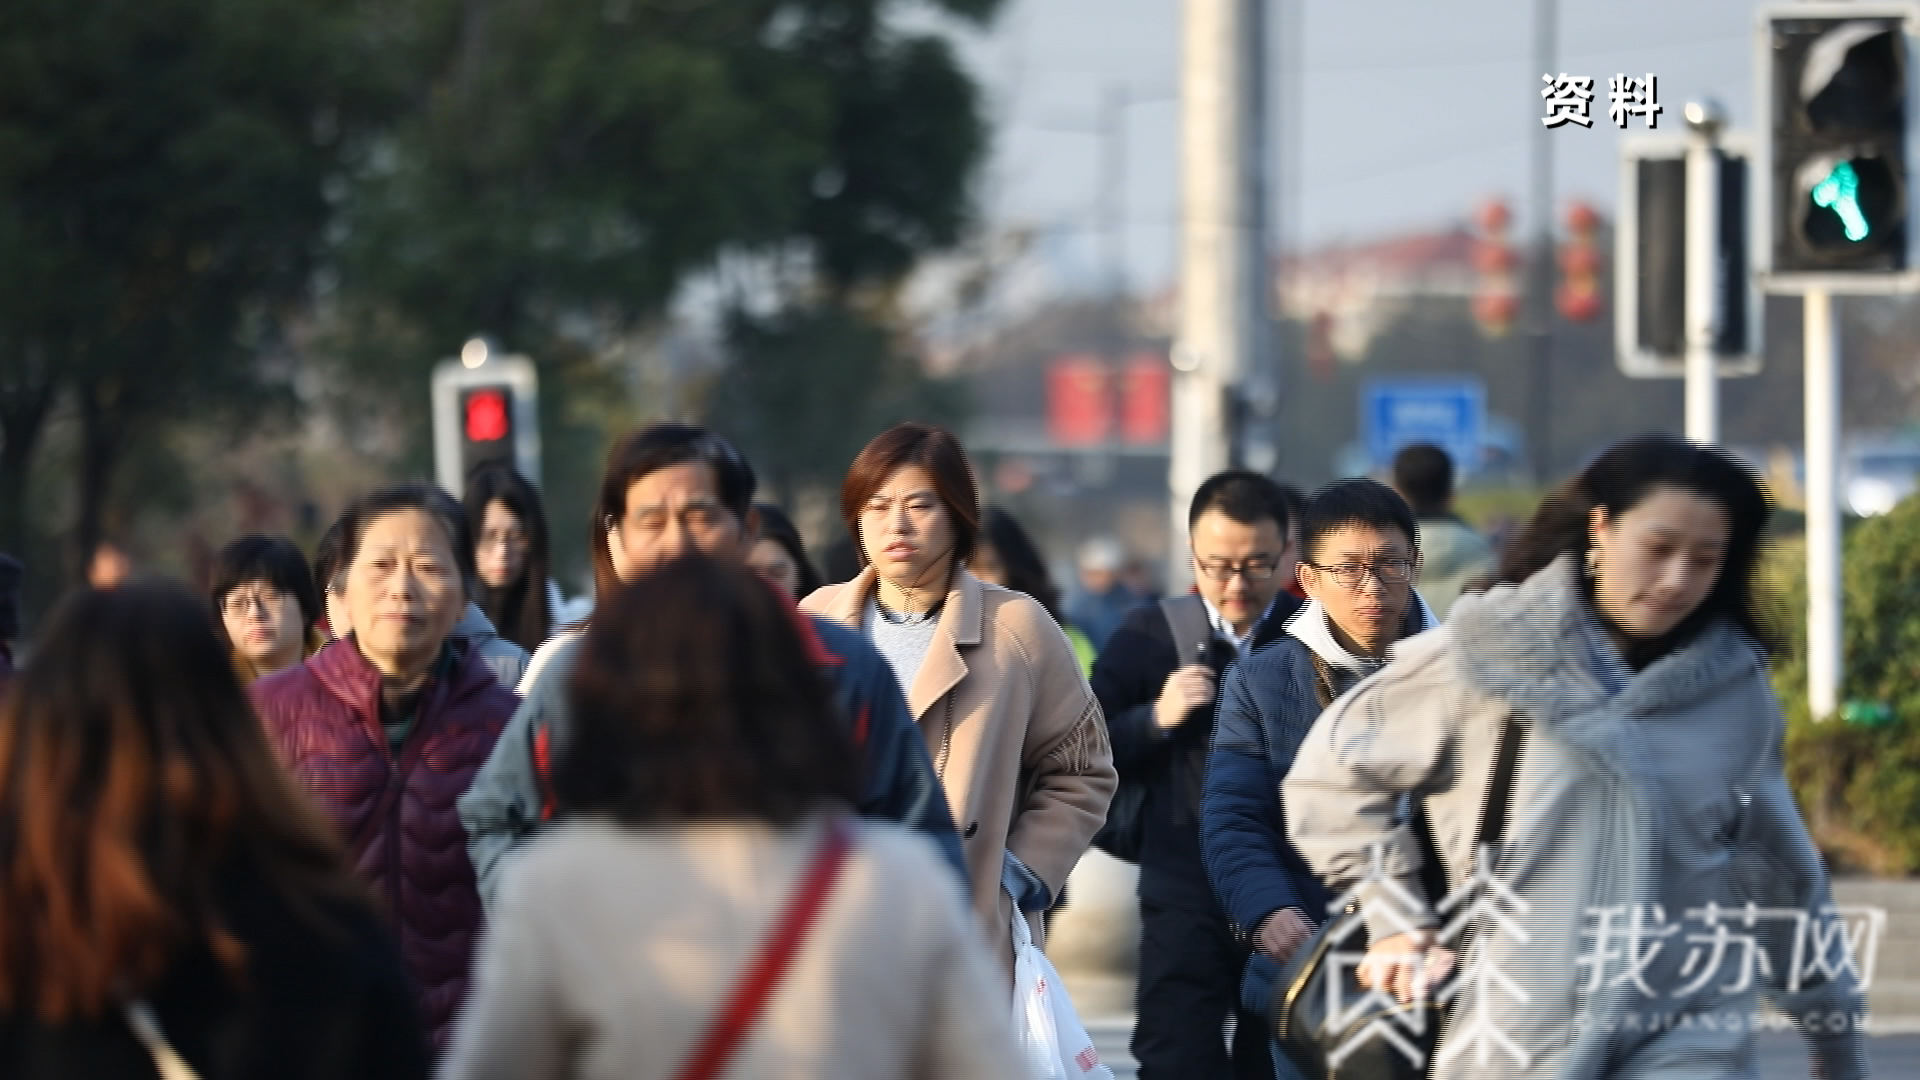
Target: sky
(1410, 112)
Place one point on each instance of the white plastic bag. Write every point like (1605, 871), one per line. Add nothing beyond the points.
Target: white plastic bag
(1057, 1044)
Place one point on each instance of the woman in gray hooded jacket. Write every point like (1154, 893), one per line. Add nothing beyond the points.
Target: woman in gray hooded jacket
(1648, 807)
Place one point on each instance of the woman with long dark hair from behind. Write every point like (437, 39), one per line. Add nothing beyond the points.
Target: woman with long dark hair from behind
(512, 554)
(706, 793)
(157, 867)
(1619, 673)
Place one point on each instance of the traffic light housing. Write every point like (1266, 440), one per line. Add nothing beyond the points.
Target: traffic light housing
(486, 408)
(1836, 85)
(1650, 259)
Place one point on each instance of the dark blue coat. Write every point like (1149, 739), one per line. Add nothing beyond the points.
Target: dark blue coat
(1267, 704)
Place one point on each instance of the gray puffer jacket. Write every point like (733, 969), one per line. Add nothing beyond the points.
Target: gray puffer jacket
(507, 661)
(1641, 796)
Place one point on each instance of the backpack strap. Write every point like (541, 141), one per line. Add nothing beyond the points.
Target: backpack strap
(1187, 619)
(722, 1039)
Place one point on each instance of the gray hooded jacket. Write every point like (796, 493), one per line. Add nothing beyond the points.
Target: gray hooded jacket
(1639, 795)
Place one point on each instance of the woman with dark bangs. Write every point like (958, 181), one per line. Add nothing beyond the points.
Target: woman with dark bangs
(265, 605)
(165, 893)
(706, 846)
(512, 554)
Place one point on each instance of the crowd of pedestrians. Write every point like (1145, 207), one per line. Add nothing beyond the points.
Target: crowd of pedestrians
(401, 809)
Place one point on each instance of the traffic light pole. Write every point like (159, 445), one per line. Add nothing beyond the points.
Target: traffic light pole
(1703, 286)
(1822, 354)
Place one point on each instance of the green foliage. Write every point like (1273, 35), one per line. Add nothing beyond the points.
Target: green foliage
(807, 388)
(1860, 785)
(163, 168)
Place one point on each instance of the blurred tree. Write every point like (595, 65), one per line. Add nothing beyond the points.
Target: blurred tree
(163, 174)
(808, 387)
(573, 162)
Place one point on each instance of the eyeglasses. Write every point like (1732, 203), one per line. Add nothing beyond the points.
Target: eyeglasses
(1354, 575)
(240, 603)
(1255, 568)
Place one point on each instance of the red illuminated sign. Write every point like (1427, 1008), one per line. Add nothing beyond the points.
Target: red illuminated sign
(487, 419)
(1079, 403)
(1145, 389)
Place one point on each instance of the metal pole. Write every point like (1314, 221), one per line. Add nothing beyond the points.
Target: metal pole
(1540, 286)
(1218, 275)
(1113, 170)
(1704, 121)
(1822, 361)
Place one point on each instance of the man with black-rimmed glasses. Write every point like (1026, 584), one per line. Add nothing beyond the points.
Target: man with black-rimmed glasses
(1157, 680)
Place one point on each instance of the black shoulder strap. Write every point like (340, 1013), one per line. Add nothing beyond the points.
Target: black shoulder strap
(1187, 621)
(1506, 761)
(1493, 813)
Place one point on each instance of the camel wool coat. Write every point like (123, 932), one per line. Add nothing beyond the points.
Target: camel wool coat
(1015, 732)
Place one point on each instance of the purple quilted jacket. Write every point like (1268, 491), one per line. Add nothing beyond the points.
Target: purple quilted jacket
(396, 813)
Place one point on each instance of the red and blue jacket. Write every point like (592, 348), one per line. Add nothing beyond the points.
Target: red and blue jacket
(510, 797)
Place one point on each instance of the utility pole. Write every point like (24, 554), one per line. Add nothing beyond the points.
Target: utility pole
(1821, 332)
(1540, 285)
(1222, 249)
(1704, 285)
(1113, 186)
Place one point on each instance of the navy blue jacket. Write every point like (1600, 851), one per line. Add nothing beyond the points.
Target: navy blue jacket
(510, 797)
(1267, 704)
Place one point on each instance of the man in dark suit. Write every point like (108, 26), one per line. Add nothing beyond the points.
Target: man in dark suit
(1157, 680)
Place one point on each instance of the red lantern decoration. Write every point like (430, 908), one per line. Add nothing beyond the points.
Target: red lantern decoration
(1497, 299)
(1578, 296)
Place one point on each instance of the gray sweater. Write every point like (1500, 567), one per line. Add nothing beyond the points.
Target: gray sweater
(1648, 800)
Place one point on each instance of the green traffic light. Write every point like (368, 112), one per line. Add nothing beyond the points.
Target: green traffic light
(1840, 192)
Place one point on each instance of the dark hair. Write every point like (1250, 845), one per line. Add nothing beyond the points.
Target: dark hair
(135, 779)
(1423, 473)
(648, 450)
(1296, 501)
(776, 526)
(1355, 501)
(695, 698)
(326, 559)
(271, 559)
(413, 495)
(932, 448)
(1617, 481)
(1026, 570)
(519, 611)
(1243, 495)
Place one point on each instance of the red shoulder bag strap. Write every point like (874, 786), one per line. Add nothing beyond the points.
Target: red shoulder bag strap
(722, 1039)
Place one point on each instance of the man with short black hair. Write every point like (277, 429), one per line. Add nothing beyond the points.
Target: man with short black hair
(1359, 556)
(1453, 552)
(1156, 681)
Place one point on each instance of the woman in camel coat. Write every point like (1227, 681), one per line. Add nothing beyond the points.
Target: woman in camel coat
(1015, 733)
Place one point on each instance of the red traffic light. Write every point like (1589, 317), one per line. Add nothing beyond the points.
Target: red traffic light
(487, 419)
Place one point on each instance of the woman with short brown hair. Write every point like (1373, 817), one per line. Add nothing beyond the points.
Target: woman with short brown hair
(156, 862)
(1015, 732)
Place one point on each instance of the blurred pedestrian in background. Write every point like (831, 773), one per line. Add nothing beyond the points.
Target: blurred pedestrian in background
(781, 555)
(165, 889)
(1451, 552)
(387, 727)
(990, 677)
(264, 605)
(1622, 665)
(706, 792)
(512, 555)
(1296, 512)
(326, 568)
(670, 490)
(1006, 556)
(1157, 681)
(1102, 600)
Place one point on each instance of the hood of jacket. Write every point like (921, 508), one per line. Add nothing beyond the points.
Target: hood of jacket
(1315, 630)
(1449, 546)
(1536, 647)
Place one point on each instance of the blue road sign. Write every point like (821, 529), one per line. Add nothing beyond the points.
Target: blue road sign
(1450, 413)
